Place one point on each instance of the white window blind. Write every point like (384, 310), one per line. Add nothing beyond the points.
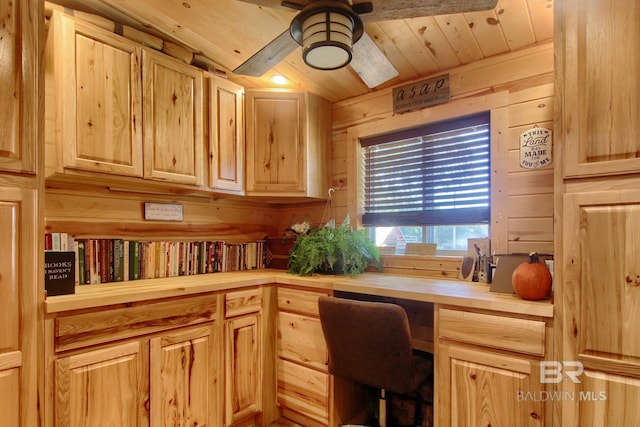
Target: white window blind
(437, 174)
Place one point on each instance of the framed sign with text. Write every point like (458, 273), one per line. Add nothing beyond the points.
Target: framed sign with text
(535, 148)
(162, 212)
(421, 94)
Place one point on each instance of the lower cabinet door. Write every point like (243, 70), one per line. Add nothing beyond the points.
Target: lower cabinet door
(183, 373)
(606, 400)
(304, 390)
(480, 388)
(105, 387)
(243, 369)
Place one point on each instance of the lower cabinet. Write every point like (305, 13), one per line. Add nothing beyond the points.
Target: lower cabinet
(184, 376)
(488, 370)
(102, 387)
(304, 384)
(243, 358)
(243, 391)
(165, 380)
(152, 363)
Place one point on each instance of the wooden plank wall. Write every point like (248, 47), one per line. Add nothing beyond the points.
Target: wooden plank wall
(93, 212)
(523, 202)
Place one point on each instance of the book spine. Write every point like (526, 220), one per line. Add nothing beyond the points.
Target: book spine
(118, 259)
(76, 256)
(80, 265)
(125, 260)
(134, 261)
(55, 241)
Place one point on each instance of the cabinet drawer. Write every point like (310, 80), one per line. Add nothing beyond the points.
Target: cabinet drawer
(488, 330)
(80, 330)
(242, 302)
(299, 301)
(300, 339)
(304, 390)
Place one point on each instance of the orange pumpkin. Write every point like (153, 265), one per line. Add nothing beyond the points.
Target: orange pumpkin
(531, 280)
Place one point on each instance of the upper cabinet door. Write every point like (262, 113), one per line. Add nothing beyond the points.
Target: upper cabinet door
(18, 86)
(226, 135)
(93, 100)
(288, 144)
(600, 97)
(173, 122)
(276, 143)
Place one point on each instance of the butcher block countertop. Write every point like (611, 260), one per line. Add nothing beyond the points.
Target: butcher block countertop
(440, 291)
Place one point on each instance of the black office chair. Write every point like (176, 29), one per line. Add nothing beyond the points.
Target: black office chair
(370, 343)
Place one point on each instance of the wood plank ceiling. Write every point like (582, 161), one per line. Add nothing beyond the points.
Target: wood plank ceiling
(230, 31)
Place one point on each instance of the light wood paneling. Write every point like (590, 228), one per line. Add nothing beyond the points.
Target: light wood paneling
(86, 211)
(516, 192)
(230, 31)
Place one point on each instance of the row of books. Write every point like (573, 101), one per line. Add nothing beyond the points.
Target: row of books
(116, 260)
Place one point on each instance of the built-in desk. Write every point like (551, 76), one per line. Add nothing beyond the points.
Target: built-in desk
(137, 329)
(437, 291)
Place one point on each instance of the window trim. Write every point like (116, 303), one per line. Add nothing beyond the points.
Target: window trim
(384, 121)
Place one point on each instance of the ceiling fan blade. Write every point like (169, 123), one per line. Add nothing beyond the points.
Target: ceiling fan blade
(387, 10)
(269, 56)
(370, 63)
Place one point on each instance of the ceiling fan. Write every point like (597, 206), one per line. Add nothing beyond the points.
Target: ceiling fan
(331, 33)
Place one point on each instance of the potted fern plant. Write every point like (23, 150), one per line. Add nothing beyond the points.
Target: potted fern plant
(332, 249)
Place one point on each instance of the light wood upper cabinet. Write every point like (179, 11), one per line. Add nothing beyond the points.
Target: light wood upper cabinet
(117, 108)
(600, 104)
(288, 144)
(93, 100)
(173, 122)
(226, 135)
(18, 85)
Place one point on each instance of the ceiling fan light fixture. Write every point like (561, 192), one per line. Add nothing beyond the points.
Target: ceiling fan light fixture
(327, 30)
(327, 40)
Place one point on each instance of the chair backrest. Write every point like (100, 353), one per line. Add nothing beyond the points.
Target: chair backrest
(368, 342)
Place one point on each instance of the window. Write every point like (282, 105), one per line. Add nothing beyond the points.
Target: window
(429, 184)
